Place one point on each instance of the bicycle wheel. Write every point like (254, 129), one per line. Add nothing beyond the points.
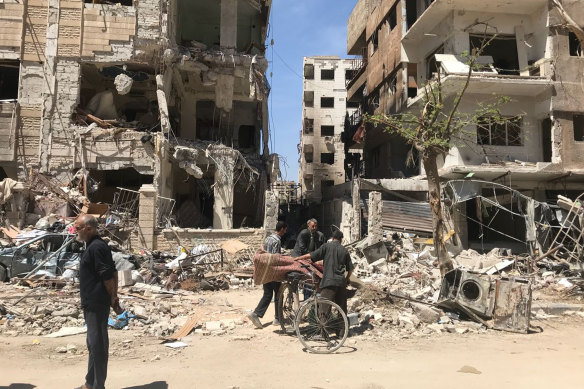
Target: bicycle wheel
(321, 326)
(288, 304)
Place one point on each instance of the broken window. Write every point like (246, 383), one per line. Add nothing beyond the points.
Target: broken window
(309, 98)
(309, 71)
(350, 73)
(391, 85)
(578, 123)
(9, 76)
(326, 184)
(327, 102)
(327, 74)
(199, 21)
(135, 106)
(575, 46)
(328, 158)
(308, 126)
(247, 137)
(392, 18)
(327, 130)
(431, 64)
(308, 156)
(503, 49)
(411, 13)
(504, 132)
(308, 182)
(374, 100)
(374, 42)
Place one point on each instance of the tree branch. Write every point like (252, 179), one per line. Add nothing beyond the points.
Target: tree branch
(572, 25)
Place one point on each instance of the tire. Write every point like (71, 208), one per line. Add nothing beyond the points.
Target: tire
(3, 273)
(288, 304)
(325, 335)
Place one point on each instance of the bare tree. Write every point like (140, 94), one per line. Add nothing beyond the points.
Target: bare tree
(570, 23)
(431, 133)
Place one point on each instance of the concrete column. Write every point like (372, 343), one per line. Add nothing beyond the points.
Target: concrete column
(521, 50)
(265, 127)
(375, 221)
(228, 37)
(271, 211)
(50, 93)
(356, 222)
(223, 188)
(147, 214)
(346, 220)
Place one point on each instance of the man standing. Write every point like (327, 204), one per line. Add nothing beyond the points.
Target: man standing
(98, 284)
(273, 245)
(308, 240)
(337, 262)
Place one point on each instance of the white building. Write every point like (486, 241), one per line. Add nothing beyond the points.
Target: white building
(324, 108)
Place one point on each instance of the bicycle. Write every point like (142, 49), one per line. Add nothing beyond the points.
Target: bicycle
(320, 324)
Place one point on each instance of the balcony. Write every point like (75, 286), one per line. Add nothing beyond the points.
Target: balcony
(435, 14)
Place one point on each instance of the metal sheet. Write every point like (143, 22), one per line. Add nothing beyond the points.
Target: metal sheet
(407, 216)
(512, 306)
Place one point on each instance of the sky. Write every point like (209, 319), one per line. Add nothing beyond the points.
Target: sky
(301, 28)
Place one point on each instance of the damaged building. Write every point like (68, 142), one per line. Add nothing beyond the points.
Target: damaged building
(532, 58)
(165, 99)
(324, 107)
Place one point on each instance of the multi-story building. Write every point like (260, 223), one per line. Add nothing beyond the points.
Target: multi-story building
(324, 110)
(166, 95)
(532, 58)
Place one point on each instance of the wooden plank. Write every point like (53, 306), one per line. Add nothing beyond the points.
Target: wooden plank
(186, 329)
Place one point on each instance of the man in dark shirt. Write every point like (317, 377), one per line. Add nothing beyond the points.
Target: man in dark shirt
(98, 286)
(308, 240)
(272, 245)
(338, 268)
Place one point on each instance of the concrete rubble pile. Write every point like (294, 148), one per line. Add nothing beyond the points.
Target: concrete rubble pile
(157, 288)
(402, 293)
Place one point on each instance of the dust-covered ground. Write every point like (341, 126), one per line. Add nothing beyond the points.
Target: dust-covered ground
(251, 358)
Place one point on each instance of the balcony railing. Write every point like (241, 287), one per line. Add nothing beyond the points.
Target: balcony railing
(358, 66)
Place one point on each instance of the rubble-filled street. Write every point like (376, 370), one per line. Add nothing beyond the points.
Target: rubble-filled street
(246, 357)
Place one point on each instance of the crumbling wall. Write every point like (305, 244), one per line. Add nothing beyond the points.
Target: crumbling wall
(388, 54)
(271, 211)
(166, 240)
(63, 136)
(108, 32)
(11, 22)
(150, 19)
(569, 90)
(375, 218)
(126, 150)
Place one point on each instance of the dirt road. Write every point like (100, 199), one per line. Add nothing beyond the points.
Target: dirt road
(269, 360)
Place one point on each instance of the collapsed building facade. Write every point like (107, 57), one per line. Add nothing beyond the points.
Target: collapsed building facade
(164, 98)
(324, 107)
(532, 58)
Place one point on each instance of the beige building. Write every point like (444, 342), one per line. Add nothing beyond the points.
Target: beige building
(163, 97)
(324, 110)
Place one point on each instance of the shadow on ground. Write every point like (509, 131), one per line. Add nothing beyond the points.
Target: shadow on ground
(19, 386)
(152, 385)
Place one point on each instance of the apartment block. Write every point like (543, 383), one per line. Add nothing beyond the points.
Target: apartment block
(324, 111)
(169, 94)
(532, 58)
(407, 43)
